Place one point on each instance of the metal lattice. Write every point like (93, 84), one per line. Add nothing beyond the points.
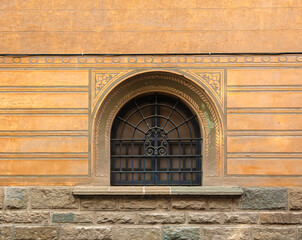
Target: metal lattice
(155, 140)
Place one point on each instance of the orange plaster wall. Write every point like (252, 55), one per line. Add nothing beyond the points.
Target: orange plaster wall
(264, 138)
(43, 126)
(44, 123)
(153, 26)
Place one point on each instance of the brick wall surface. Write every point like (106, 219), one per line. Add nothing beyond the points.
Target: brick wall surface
(44, 213)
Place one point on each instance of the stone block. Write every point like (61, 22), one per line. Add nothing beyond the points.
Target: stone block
(164, 218)
(1, 197)
(143, 204)
(183, 233)
(264, 198)
(205, 218)
(5, 233)
(220, 203)
(24, 217)
(133, 233)
(98, 203)
(86, 233)
(36, 233)
(273, 233)
(119, 218)
(54, 198)
(240, 218)
(223, 233)
(70, 217)
(281, 218)
(299, 233)
(16, 198)
(188, 204)
(295, 199)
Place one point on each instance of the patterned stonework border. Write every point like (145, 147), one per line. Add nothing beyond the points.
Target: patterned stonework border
(102, 79)
(211, 80)
(64, 61)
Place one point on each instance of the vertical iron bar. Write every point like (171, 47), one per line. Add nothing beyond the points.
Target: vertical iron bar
(198, 160)
(168, 165)
(184, 162)
(121, 164)
(191, 160)
(156, 111)
(140, 162)
(127, 152)
(132, 152)
(144, 165)
(179, 162)
(154, 124)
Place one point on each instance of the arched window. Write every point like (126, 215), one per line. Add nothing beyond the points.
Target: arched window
(156, 140)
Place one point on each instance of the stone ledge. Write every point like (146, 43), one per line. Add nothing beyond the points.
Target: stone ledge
(146, 191)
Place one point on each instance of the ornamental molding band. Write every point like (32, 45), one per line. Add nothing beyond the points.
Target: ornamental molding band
(103, 79)
(213, 79)
(179, 60)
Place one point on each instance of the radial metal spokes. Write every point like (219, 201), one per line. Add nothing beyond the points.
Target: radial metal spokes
(139, 110)
(159, 117)
(173, 109)
(186, 121)
(130, 124)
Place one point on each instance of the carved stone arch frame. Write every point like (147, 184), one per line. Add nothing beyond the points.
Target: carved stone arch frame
(193, 95)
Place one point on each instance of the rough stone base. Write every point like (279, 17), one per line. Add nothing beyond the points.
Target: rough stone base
(53, 213)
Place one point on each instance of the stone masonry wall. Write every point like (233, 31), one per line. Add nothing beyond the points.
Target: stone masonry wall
(49, 213)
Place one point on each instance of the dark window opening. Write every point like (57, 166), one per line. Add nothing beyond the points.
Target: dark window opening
(155, 140)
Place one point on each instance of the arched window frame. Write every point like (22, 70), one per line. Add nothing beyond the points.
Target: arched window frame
(128, 87)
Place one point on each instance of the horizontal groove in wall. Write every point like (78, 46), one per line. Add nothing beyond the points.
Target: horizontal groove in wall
(38, 111)
(43, 155)
(43, 89)
(35, 179)
(264, 110)
(264, 155)
(265, 88)
(264, 136)
(42, 159)
(261, 180)
(264, 133)
(140, 7)
(42, 133)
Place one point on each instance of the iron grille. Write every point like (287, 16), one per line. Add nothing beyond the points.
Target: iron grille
(155, 140)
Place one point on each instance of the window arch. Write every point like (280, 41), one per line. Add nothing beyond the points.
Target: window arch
(156, 140)
(108, 104)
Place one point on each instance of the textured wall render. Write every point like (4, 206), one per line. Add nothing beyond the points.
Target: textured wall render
(154, 26)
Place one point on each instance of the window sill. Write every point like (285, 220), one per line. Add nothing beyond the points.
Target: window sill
(149, 191)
